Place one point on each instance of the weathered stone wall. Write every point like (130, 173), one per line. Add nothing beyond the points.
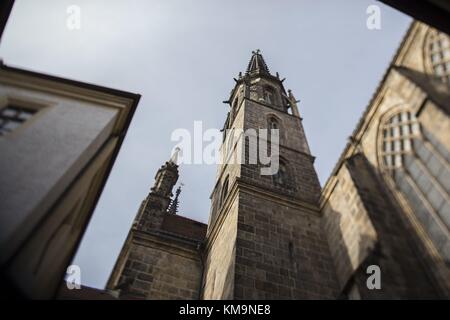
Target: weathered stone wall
(364, 228)
(302, 182)
(159, 268)
(219, 274)
(403, 274)
(350, 232)
(227, 169)
(281, 251)
(291, 129)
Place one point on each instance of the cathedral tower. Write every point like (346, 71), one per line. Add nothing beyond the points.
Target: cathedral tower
(265, 239)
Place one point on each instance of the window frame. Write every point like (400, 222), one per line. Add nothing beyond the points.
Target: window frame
(411, 159)
(272, 118)
(31, 106)
(436, 50)
(269, 95)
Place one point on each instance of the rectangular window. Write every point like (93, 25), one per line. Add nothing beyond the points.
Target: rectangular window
(397, 146)
(405, 130)
(405, 117)
(396, 132)
(11, 117)
(398, 160)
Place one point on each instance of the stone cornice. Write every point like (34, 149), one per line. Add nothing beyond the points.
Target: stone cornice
(244, 186)
(169, 242)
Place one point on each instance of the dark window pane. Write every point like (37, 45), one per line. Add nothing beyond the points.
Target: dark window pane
(421, 150)
(10, 125)
(444, 213)
(12, 117)
(435, 197)
(408, 160)
(424, 183)
(444, 180)
(434, 165)
(414, 170)
(25, 115)
(9, 112)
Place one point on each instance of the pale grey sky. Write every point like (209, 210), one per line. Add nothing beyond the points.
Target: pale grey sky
(182, 55)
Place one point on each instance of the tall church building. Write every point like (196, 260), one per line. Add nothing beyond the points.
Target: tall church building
(264, 236)
(384, 210)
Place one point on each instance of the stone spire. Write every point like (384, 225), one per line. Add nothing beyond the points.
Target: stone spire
(257, 65)
(156, 205)
(167, 176)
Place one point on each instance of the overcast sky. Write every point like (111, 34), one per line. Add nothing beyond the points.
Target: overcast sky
(181, 56)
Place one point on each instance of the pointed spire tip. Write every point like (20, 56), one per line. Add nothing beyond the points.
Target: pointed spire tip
(175, 154)
(257, 64)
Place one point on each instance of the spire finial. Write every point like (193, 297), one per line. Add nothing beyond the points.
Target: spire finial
(174, 157)
(257, 64)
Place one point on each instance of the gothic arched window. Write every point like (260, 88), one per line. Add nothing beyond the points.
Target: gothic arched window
(398, 133)
(419, 166)
(273, 124)
(439, 55)
(269, 95)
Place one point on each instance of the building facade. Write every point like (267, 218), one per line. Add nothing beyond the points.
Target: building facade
(58, 141)
(282, 236)
(387, 200)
